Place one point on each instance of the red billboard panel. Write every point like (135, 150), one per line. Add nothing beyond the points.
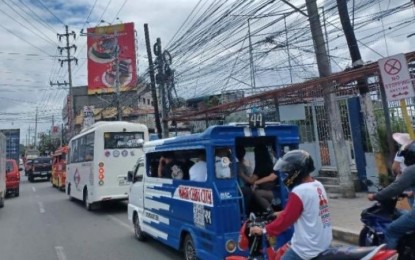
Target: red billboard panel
(102, 61)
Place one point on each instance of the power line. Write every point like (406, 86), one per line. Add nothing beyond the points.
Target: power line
(47, 9)
(40, 19)
(44, 37)
(21, 38)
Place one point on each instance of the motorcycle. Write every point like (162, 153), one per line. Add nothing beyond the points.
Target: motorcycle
(261, 246)
(376, 219)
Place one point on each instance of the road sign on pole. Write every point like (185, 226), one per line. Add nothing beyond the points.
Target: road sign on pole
(396, 78)
(398, 84)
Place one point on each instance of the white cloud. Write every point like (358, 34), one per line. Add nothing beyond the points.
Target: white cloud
(25, 78)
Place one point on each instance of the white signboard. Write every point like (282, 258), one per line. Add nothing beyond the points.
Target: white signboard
(89, 118)
(396, 78)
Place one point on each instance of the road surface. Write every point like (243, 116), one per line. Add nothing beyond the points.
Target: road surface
(42, 224)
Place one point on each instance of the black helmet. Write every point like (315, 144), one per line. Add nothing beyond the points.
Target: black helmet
(408, 154)
(296, 164)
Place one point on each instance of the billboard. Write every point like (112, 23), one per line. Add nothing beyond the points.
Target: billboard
(12, 143)
(103, 43)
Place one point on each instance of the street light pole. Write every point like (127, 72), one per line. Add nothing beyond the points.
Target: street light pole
(251, 58)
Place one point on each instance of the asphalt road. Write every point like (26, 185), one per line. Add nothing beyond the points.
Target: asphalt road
(42, 224)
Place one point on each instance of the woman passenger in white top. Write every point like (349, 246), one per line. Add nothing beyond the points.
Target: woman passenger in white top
(198, 172)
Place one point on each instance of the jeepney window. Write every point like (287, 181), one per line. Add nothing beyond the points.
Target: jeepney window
(179, 165)
(223, 161)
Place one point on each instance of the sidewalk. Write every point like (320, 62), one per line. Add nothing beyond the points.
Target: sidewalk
(345, 217)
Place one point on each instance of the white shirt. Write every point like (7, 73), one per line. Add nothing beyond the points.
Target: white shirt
(313, 230)
(400, 160)
(222, 168)
(198, 172)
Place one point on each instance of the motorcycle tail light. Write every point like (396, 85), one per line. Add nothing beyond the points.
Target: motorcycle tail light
(385, 255)
(230, 246)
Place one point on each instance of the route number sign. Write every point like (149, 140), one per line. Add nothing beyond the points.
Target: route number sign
(396, 79)
(256, 120)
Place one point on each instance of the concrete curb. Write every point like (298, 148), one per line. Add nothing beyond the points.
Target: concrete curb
(345, 235)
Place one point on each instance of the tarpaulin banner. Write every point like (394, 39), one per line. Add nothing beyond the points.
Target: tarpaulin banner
(102, 61)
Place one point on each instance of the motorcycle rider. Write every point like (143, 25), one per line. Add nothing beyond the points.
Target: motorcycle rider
(307, 208)
(406, 221)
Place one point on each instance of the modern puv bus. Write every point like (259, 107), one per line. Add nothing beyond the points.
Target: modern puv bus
(99, 159)
(202, 214)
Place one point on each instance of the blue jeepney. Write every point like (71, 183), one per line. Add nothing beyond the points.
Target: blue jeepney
(203, 217)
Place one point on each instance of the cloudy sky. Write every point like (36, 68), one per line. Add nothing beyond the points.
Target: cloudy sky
(29, 56)
(210, 51)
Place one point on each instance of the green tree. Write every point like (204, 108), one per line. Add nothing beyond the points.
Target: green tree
(47, 145)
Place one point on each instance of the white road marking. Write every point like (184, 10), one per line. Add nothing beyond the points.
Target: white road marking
(41, 208)
(34, 189)
(120, 222)
(60, 253)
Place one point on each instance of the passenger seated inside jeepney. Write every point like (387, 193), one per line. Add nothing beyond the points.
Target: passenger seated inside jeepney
(265, 184)
(263, 180)
(168, 167)
(222, 163)
(244, 173)
(198, 172)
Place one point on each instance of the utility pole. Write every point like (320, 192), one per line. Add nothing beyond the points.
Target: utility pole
(288, 49)
(61, 134)
(29, 137)
(36, 128)
(117, 76)
(251, 57)
(330, 104)
(325, 33)
(163, 64)
(72, 112)
(365, 101)
(152, 81)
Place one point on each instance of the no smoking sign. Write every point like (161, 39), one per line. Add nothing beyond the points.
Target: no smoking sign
(396, 78)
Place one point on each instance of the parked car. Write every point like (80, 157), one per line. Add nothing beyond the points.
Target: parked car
(12, 178)
(41, 167)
